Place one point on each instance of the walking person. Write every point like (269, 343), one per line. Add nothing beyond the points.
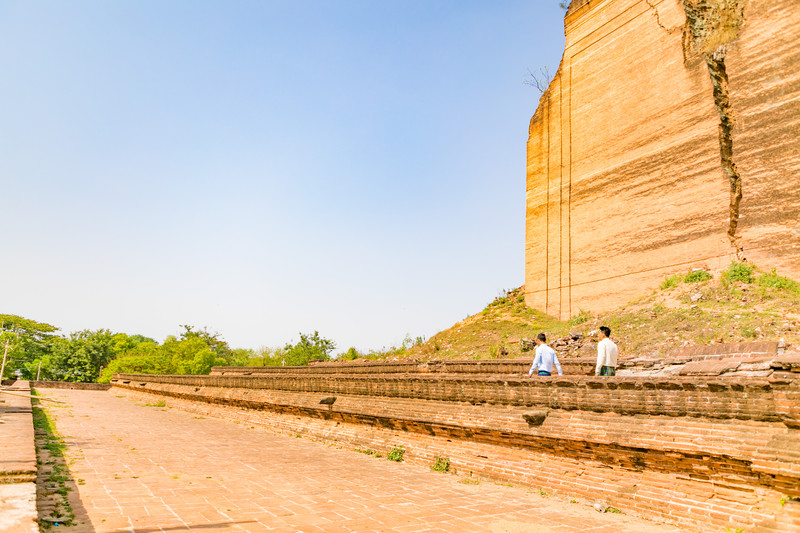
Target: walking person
(545, 358)
(606, 354)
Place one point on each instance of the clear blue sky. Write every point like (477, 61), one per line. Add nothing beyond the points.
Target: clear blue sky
(269, 167)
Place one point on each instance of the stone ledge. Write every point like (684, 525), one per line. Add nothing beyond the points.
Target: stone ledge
(18, 462)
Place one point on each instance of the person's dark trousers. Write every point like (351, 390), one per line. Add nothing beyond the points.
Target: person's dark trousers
(544, 373)
(608, 371)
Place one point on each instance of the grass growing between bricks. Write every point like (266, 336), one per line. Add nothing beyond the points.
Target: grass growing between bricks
(52, 480)
(396, 454)
(442, 464)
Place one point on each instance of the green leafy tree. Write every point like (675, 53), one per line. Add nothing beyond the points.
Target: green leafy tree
(81, 356)
(28, 343)
(196, 351)
(308, 348)
(153, 363)
(241, 357)
(214, 342)
(137, 355)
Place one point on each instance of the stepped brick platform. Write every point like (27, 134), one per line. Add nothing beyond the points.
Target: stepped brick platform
(695, 451)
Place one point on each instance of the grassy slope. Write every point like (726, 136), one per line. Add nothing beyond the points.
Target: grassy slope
(679, 314)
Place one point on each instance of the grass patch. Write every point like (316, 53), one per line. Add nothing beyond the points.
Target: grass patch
(774, 281)
(738, 272)
(159, 403)
(581, 318)
(50, 449)
(367, 451)
(696, 276)
(670, 281)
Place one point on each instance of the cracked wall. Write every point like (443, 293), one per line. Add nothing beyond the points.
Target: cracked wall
(710, 26)
(661, 113)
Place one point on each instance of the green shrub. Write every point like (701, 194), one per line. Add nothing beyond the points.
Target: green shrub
(670, 281)
(738, 272)
(396, 454)
(696, 276)
(774, 281)
(580, 318)
(442, 464)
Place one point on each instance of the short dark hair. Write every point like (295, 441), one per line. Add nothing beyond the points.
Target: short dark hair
(541, 337)
(606, 330)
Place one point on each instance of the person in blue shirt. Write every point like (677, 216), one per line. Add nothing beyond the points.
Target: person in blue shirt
(545, 358)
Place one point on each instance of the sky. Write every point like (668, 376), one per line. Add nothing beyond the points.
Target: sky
(266, 168)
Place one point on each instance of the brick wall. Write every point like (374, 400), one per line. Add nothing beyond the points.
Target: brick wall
(69, 385)
(694, 452)
(774, 398)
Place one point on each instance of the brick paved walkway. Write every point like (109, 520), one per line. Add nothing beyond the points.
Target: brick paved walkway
(147, 468)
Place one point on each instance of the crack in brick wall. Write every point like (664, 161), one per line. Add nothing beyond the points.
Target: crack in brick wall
(710, 26)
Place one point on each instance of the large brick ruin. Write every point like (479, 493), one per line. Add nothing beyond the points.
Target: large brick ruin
(669, 139)
(694, 443)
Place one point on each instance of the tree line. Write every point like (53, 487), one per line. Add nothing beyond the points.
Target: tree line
(35, 348)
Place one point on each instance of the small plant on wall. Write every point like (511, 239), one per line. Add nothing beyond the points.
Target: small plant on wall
(442, 464)
(396, 454)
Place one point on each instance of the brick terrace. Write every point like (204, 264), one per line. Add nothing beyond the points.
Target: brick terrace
(145, 468)
(701, 452)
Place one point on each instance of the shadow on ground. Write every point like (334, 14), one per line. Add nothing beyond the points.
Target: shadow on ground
(58, 504)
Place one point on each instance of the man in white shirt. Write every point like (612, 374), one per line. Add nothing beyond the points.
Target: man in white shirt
(606, 354)
(545, 358)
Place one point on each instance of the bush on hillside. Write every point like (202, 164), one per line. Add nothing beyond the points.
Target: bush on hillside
(774, 281)
(696, 276)
(670, 281)
(738, 272)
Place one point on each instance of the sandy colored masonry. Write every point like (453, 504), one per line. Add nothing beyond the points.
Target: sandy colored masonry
(626, 180)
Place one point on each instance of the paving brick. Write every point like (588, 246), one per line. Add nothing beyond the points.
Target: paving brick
(209, 475)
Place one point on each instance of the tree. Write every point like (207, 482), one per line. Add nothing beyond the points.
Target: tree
(28, 342)
(153, 363)
(308, 348)
(82, 355)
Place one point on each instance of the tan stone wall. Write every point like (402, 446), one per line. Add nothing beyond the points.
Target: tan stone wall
(624, 181)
